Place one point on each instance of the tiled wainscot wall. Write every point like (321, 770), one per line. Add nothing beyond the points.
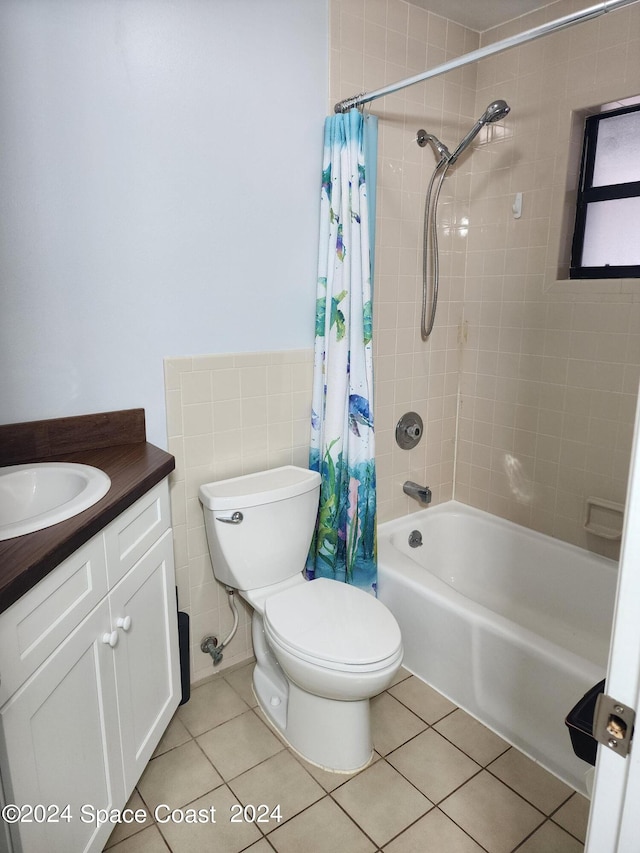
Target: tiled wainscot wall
(227, 415)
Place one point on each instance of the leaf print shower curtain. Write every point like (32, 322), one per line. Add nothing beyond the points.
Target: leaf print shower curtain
(342, 435)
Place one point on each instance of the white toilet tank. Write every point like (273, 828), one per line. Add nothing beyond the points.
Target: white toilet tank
(259, 526)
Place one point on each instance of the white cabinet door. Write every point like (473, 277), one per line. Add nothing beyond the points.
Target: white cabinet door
(60, 743)
(144, 612)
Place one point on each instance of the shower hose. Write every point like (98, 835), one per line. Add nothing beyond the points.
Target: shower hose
(430, 236)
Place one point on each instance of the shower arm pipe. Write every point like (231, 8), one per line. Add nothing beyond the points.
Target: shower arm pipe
(497, 47)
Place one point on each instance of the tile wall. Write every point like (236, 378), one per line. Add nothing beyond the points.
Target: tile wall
(227, 415)
(547, 370)
(550, 369)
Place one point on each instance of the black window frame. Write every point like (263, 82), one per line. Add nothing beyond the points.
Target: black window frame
(587, 194)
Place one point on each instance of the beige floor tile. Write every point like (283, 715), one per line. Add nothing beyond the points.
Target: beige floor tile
(242, 682)
(177, 777)
(551, 839)
(422, 699)
(574, 816)
(491, 813)
(392, 724)
(530, 780)
(147, 841)
(175, 735)
(479, 742)
(433, 832)
(211, 704)
(278, 781)
(124, 830)
(322, 828)
(207, 835)
(381, 802)
(239, 744)
(433, 765)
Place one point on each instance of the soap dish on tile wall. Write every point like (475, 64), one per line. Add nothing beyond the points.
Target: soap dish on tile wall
(604, 518)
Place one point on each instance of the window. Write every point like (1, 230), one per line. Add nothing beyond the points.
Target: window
(606, 239)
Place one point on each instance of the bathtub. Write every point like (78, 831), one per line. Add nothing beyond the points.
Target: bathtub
(510, 625)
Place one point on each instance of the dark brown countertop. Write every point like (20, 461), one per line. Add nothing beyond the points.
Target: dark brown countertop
(133, 467)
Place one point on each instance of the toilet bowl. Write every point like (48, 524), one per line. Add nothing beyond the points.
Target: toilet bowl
(322, 648)
(333, 639)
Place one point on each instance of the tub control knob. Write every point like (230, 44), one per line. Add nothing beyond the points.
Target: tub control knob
(409, 430)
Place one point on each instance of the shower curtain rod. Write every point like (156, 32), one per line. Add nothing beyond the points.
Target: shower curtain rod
(498, 46)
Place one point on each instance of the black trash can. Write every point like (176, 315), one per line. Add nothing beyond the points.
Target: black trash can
(579, 721)
(183, 647)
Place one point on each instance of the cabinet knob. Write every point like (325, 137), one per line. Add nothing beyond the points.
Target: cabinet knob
(124, 622)
(110, 639)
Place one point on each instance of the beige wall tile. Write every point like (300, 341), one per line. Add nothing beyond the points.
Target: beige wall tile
(228, 415)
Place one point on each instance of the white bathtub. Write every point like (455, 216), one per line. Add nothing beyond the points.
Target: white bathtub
(511, 625)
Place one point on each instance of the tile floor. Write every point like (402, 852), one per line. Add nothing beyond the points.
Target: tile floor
(440, 782)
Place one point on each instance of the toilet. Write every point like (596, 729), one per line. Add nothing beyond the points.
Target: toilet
(323, 648)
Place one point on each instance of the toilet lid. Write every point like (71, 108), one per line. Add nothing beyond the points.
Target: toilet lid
(333, 621)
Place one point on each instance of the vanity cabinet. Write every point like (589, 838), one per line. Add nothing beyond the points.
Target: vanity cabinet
(89, 680)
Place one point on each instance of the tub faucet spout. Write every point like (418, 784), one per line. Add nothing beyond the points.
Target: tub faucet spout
(422, 494)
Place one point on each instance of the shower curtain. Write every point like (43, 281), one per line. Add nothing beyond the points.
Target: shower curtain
(342, 434)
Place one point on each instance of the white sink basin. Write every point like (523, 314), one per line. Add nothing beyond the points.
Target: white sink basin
(41, 494)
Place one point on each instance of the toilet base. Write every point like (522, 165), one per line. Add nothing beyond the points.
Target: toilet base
(331, 733)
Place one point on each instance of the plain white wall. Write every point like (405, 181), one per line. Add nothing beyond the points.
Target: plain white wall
(159, 169)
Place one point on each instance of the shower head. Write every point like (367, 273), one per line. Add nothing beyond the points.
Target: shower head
(494, 112)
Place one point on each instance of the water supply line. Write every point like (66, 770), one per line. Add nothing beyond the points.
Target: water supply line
(210, 645)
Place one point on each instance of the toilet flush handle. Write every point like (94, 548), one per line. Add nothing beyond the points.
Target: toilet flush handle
(236, 518)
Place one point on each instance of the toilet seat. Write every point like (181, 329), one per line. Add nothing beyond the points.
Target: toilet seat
(333, 625)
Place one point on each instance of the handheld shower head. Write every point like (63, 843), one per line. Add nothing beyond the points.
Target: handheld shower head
(494, 112)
